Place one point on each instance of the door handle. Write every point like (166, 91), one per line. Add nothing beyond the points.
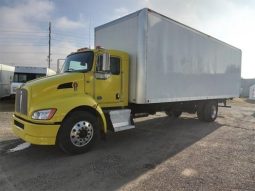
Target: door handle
(117, 96)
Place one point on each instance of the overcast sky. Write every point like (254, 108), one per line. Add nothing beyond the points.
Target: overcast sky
(24, 25)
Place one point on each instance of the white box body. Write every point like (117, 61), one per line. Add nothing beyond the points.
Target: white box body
(171, 62)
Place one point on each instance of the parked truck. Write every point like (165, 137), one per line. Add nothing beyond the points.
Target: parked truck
(23, 74)
(149, 63)
(6, 76)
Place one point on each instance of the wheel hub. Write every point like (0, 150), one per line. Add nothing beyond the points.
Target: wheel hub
(81, 133)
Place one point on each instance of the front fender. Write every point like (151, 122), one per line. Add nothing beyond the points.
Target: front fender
(66, 104)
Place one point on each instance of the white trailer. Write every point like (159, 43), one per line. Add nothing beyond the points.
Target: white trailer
(6, 76)
(171, 62)
(23, 74)
(252, 92)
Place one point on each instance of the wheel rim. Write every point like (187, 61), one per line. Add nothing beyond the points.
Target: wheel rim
(81, 133)
(213, 112)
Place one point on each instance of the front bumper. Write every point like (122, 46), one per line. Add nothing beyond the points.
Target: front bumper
(35, 133)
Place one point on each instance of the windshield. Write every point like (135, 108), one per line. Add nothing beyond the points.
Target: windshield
(79, 62)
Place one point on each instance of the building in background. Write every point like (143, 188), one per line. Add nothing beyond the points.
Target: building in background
(6, 77)
(23, 74)
(252, 92)
(245, 87)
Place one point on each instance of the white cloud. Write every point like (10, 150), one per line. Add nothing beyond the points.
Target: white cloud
(16, 46)
(61, 50)
(23, 14)
(229, 20)
(24, 34)
(120, 12)
(64, 23)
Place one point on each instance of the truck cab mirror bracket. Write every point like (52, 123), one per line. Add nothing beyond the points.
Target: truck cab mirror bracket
(103, 67)
(106, 62)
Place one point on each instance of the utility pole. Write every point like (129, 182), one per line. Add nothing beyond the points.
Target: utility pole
(49, 44)
(89, 31)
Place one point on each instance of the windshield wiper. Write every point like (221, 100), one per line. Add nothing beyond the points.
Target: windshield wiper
(70, 70)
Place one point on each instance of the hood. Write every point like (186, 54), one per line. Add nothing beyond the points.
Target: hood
(52, 87)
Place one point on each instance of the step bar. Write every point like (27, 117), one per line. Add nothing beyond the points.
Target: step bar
(121, 119)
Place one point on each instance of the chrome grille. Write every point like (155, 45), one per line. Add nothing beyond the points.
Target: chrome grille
(21, 101)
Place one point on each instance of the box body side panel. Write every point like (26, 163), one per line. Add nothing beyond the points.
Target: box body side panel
(183, 64)
(122, 35)
(171, 62)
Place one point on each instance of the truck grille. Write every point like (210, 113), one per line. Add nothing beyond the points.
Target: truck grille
(21, 101)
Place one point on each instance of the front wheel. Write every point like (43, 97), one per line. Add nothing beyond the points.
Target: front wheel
(78, 132)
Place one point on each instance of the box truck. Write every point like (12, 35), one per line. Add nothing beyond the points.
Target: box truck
(142, 63)
(6, 76)
(23, 74)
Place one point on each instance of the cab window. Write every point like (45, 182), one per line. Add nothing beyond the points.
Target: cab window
(115, 65)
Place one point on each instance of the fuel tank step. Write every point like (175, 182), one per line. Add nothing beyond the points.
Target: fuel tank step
(121, 119)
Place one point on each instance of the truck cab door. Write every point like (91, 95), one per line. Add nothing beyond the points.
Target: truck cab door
(108, 82)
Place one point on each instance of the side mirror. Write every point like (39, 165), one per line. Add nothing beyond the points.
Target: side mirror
(103, 67)
(106, 62)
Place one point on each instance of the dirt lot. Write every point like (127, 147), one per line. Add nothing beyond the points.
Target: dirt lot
(6, 110)
(159, 154)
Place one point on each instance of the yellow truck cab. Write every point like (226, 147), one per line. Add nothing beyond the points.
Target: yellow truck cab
(66, 109)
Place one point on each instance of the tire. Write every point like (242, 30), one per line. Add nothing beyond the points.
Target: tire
(211, 111)
(200, 112)
(208, 111)
(78, 133)
(174, 113)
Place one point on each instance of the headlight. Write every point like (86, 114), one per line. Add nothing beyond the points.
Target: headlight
(45, 114)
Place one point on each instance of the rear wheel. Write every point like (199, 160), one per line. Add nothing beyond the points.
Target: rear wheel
(78, 132)
(208, 111)
(211, 111)
(200, 112)
(174, 113)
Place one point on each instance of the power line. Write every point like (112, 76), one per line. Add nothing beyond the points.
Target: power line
(7, 44)
(72, 34)
(66, 39)
(69, 40)
(35, 44)
(49, 43)
(25, 35)
(21, 43)
(22, 31)
(20, 52)
(69, 37)
(23, 39)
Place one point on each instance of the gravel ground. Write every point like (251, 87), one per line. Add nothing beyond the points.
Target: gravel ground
(6, 110)
(159, 154)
